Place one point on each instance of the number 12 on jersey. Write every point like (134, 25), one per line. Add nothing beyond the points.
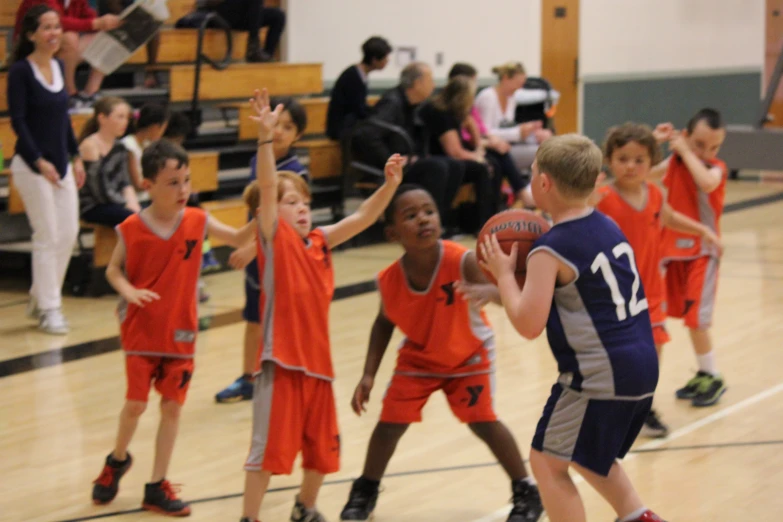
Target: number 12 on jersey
(601, 262)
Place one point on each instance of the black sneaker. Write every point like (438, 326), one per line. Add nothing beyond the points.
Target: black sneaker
(527, 506)
(690, 389)
(710, 391)
(161, 497)
(361, 501)
(108, 482)
(301, 514)
(653, 427)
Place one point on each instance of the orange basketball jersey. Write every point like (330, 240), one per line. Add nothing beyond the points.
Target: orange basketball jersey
(444, 334)
(297, 284)
(686, 197)
(169, 266)
(642, 229)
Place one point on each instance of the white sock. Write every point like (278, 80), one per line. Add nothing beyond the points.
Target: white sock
(635, 515)
(707, 363)
(529, 481)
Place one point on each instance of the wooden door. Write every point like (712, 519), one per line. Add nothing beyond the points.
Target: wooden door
(560, 58)
(774, 43)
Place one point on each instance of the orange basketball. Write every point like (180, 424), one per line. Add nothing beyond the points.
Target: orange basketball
(513, 226)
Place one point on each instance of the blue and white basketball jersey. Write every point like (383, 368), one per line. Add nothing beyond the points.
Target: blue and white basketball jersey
(599, 328)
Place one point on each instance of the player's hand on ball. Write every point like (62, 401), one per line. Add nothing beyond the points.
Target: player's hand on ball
(393, 169)
(362, 394)
(495, 260)
(141, 296)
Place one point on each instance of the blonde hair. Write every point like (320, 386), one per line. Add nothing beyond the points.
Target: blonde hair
(252, 195)
(104, 106)
(572, 161)
(508, 70)
(456, 97)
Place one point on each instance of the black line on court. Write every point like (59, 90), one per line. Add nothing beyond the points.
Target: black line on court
(76, 352)
(723, 445)
(57, 356)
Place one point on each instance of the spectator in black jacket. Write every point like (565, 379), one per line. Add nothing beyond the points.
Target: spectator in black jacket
(348, 103)
(396, 109)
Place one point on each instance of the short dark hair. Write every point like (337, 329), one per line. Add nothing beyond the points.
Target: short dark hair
(179, 126)
(462, 69)
(152, 114)
(711, 117)
(157, 154)
(295, 109)
(375, 48)
(388, 214)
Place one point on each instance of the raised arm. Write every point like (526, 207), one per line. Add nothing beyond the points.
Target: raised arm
(380, 335)
(370, 210)
(707, 179)
(266, 172)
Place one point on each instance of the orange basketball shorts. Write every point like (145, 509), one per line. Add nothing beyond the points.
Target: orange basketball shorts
(470, 397)
(657, 309)
(691, 286)
(293, 412)
(171, 376)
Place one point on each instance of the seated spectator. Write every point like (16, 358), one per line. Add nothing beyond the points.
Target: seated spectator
(372, 144)
(79, 23)
(115, 7)
(290, 127)
(148, 127)
(476, 137)
(251, 16)
(443, 117)
(348, 102)
(396, 108)
(107, 197)
(497, 108)
(178, 128)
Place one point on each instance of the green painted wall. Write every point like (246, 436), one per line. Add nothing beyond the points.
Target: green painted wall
(675, 98)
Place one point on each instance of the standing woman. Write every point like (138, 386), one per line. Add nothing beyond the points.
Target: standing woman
(46, 168)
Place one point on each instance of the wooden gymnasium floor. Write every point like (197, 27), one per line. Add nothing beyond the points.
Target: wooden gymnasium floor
(60, 405)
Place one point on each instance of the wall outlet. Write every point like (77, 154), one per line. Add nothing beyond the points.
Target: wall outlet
(439, 58)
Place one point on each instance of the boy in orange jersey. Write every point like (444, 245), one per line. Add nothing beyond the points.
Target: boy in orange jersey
(449, 346)
(639, 209)
(293, 401)
(155, 268)
(696, 183)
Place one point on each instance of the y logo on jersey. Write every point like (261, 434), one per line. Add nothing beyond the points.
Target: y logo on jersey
(190, 244)
(448, 288)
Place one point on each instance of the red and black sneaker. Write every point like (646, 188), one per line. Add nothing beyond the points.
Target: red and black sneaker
(649, 516)
(108, 482)
(161, 497)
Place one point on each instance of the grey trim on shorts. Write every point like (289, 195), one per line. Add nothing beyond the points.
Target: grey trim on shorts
(708, 291)
(565, 423)
(262, 412)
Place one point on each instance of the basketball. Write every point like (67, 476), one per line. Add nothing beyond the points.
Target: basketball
(513, 226)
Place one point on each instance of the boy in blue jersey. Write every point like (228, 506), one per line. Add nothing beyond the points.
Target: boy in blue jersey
(583, 286)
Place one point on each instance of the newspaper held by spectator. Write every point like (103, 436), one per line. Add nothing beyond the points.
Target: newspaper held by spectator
(140, 21)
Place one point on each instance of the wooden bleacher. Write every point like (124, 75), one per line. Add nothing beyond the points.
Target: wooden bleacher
(237, 81)
(8, 10)
(179, 46)
(4, 49)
